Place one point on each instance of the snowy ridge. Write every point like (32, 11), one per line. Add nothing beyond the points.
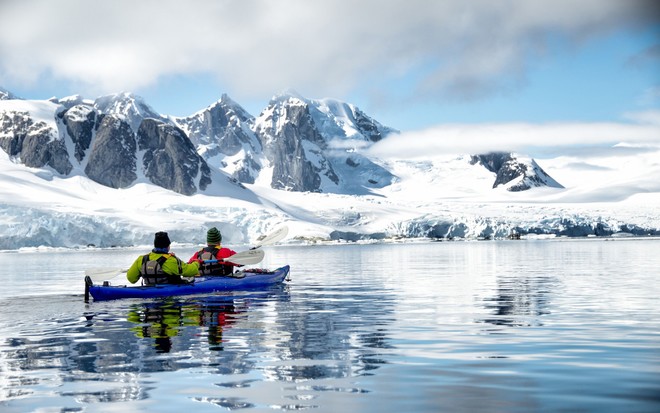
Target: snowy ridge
(347, 116)
(130, 107)
(40, 112)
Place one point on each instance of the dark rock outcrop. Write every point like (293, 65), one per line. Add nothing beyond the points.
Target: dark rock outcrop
(508, 168)
(112, 160)
(294, 147)
(371, 129)
(36, 143)
(170, 159)
(80, 122)
(39, 149)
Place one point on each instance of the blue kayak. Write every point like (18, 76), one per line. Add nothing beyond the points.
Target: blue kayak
(247, 279)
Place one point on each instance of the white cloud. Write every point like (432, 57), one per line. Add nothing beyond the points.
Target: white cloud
(457, 49)
(520, 137)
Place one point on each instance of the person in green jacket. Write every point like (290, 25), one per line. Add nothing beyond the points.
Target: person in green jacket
(160, 266)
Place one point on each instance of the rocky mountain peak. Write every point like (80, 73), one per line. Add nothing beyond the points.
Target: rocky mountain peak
(223, 136)
(308, 143)
(513, 172)
(280, 109)
(132, 108)
(231, 108)
(7, 95)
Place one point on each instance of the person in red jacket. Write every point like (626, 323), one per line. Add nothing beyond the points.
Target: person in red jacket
(213, 252)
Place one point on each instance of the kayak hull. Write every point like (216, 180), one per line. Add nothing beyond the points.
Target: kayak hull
(202, 285)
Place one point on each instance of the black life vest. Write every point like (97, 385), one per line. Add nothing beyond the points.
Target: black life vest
(212, 268)
(152, 272)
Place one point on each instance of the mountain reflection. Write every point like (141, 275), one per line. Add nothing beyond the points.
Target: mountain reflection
(520, 301)
(344, 334)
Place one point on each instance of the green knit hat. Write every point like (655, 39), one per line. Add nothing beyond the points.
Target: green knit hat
(213, 236)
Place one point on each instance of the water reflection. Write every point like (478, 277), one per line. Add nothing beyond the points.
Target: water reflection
(349, 333)
(241, 340)
(163, 320)
(102, 356)
(520, 300)
(344, 334)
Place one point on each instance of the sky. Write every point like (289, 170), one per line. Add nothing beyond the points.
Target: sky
(425, 67)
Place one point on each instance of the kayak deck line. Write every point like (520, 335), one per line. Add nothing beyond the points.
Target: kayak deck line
(247, 279)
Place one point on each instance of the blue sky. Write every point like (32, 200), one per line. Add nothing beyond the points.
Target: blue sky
(411, 65)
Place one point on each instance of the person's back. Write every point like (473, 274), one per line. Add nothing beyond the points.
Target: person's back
(160, 266)
(155, 269)
(213, 252)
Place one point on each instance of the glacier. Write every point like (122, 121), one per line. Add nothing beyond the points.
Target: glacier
(41, 209)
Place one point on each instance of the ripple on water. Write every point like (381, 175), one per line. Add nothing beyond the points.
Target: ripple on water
(504, 327)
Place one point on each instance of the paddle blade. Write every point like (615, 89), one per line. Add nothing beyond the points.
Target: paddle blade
(273, 237)
(249, 257)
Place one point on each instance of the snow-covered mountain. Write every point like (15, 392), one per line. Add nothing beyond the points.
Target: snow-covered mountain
(311, 146)
(515, 173)
(132, 109)
(223, 135)
(295, 144)
(116, 149)
(112, 171)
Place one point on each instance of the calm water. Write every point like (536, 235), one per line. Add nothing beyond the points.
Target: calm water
(517, 326)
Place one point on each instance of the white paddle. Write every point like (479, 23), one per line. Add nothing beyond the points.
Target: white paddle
(248, 257)
(271, 238)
